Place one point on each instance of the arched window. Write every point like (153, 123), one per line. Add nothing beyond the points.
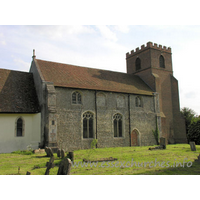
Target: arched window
(76, 98)
(117, 122)
(88, 127)
(138, 64)
(138, 101)
(19, 127)
(162, 62)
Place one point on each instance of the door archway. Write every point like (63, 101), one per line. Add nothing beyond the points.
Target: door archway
(135, 138)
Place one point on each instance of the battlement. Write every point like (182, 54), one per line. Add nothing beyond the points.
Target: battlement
(149, 45)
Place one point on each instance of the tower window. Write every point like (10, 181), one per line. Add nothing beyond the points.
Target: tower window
(88, 128)
(162, 62)
(117, 122)
(76, 98)
(138, 64)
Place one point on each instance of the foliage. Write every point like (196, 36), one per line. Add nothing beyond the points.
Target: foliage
(188, 114)
(93, 143)
(194, 131)
(25, 152)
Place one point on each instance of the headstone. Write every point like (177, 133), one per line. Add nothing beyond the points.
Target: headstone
(64, 167)
(70, 155)
(198, 159)
(58, 153)
(163, 142)
(62, 153)
(49, 165)
(48, 151)
(192, 146)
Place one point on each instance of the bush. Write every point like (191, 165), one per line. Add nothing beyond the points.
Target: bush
(26, 152)
(194, 132)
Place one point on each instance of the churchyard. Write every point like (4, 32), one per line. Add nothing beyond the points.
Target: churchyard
(176, 159)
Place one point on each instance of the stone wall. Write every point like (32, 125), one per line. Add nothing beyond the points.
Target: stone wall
(103, 105)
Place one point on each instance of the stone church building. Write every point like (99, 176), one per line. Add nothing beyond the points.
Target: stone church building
(79, 104)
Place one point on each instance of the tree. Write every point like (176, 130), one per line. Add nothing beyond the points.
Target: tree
(194, 131)
(189, 115)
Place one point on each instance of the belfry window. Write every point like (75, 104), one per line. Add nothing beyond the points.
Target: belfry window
(117, 122)
(76, 98)
(138, 101)
(162, 62)
(138, 64)
(19, 127)
(88, 127)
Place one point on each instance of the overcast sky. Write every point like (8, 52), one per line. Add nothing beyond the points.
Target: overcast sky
(105, 47)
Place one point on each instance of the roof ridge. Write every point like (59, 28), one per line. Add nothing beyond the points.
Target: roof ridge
(81, 66)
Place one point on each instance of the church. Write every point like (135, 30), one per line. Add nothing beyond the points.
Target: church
(68, 106)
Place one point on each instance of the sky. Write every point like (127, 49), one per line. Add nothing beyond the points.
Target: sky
(104, 47)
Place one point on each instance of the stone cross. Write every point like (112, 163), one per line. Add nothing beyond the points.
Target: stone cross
(49, 165)
(163, 142)
(64, 167)
(62, 153)
(192, 146)
(58, 153)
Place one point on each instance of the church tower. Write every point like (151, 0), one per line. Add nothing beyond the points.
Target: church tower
(153, 64)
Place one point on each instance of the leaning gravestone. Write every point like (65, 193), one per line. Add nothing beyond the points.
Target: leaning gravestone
(49, 151)
(58, 153)
(49, 165)
(62, 153)
(192, 146)
(70, 155)
(198, 159)
(163, 142)
(64, 167)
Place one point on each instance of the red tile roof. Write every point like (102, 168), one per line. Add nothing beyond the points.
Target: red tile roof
(17, 92)
(64, 75)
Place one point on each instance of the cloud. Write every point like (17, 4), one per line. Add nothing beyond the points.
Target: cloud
(107, 33)
(21, 65)
(190, 95)
(122, 28)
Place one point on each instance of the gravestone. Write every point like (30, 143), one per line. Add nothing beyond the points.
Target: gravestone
(49, 165)
(49, 151)
(198, 159)
(62, 153)
(58, 153)
(70, 155)
(64, 167)
(192, 146)
(163, 142)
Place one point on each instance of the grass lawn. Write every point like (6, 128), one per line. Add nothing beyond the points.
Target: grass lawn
(130, 161)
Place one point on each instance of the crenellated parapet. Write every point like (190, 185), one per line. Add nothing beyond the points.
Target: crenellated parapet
(148, 45)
